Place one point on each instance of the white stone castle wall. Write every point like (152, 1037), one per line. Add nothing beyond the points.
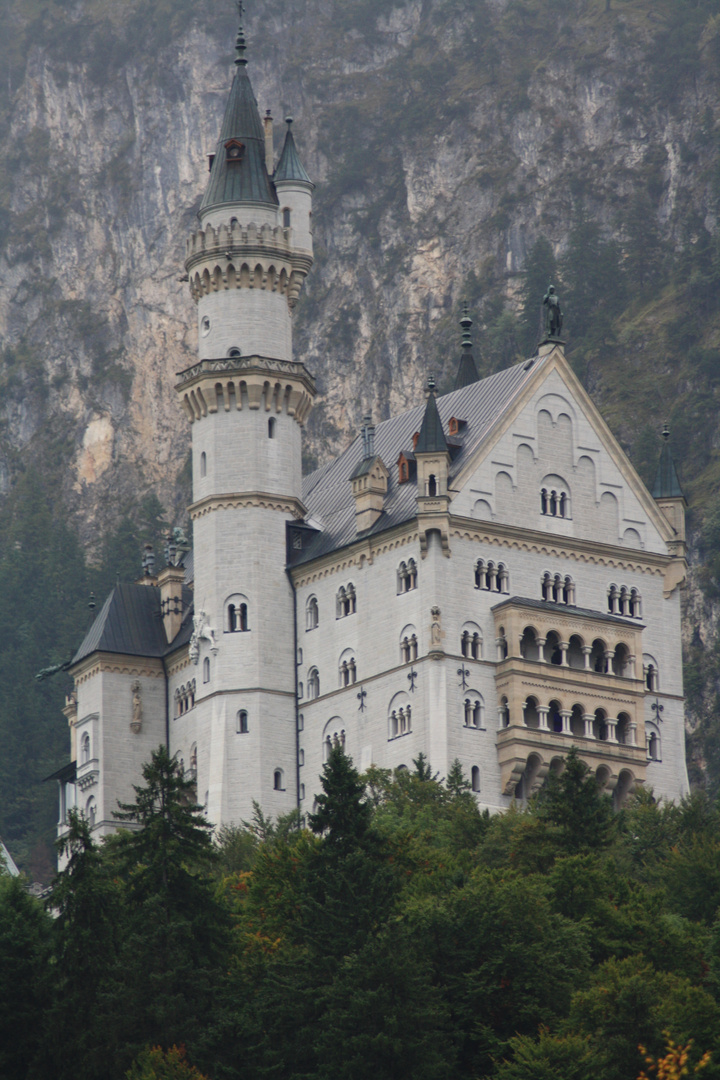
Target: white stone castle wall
(240, 455)
(256, 321)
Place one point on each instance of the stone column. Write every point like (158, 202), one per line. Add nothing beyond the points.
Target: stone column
(499, 642)
(631, 674)
(611, 730)
(543, 714)
(609, 654)
(589, 721)
(502, 718)
(541, 650)
(632, 733)
(586, 650)
(524, 706)
(492, 578)
(564, 646)
(566, 729)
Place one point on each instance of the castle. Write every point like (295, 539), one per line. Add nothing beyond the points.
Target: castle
(483, 577)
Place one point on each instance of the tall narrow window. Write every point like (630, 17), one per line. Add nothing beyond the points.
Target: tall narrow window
(271, 428)
(432, 486)
(242, 722)
(206, 669)
(278, 784)
(286, 217)
(203, 464)
(242, 617)
(312, 614)
(475, 778)
(85, 749)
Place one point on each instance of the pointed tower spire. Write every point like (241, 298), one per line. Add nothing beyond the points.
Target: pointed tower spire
(667, 485)
(431, 439)
(289, 167)
(467, 370)
(238, 173)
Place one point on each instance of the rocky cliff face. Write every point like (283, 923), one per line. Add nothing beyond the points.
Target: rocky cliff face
(446, 138)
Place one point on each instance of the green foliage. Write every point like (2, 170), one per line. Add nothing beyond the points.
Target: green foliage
(159, 1064)
(571, 802)
(24, 980)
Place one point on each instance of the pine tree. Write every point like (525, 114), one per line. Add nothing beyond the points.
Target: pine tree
(573, 804)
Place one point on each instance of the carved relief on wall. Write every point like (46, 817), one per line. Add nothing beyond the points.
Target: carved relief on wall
(136, 722)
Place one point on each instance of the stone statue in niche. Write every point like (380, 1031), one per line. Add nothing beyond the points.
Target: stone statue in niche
(136, 722)
(201, 631)
(435, 628)
(553, 313)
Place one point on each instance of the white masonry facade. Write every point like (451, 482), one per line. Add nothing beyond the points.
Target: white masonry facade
(483, 578)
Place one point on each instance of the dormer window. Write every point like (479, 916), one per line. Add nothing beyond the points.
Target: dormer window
(234, 150)
(416, 436)
(455, 427)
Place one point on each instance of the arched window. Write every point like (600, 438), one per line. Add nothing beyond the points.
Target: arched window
(203, 464)
(475, 778)
(432, 486)
(408, 644)
(471, 641)
(474, 710)
(652, 736)
(333, 735)
(85, 749)
(271, 427)
(91, 811)
(312, 614)
(278, 780)
(399, 716)
(346, 603)
(626, 601)
(301, 757)
(407, 576)
(491, 577)
(236, 614)
(651, 673)
(241, 722)
(313, 683)
(206, 669)
(286, 217)
(347, 669)
(554, 497)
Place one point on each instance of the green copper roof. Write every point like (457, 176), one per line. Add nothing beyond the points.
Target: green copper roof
(289, 167)
(431, 439)
(245, 180)
(667, 485)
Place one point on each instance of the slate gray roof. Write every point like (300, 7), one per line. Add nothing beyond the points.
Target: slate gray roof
(570, 609)
(246, 180)
(129, 623)
(327, 492)
(290, 167)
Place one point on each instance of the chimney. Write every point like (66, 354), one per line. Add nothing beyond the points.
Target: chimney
(269, 162)
(368, 437)
(171, 581)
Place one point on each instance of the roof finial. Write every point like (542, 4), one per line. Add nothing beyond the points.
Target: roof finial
(240, 44)
(431, 384)
(466, 323)
(666, 431)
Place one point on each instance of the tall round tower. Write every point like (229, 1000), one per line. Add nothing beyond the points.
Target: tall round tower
(247, 401)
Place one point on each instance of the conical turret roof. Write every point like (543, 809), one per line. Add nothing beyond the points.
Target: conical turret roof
(290, 167)
(667, 485)
(245, 178)
(431, 438)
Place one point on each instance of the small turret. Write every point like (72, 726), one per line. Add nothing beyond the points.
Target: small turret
(669, 495)
(467, 369)
(294, 190)
(432, 452)
(369, 481)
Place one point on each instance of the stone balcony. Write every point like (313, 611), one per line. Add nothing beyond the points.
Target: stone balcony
(566, 677)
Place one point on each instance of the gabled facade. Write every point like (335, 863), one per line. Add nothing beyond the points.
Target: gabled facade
(483, 577)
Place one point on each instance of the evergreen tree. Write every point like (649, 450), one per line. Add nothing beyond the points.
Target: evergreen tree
(24, 981)
(176, 929)
(571, 802)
